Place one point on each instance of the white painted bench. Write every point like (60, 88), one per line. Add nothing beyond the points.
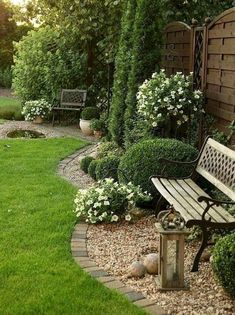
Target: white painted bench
(216, 163)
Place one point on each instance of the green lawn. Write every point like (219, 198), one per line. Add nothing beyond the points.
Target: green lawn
(37, 273)
(10, 108)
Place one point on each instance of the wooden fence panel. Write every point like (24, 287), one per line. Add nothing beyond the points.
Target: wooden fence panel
(177, 50)
(219, 63)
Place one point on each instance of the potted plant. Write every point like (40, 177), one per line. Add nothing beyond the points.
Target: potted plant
(99, 126)
(87, 114)
(36, 111)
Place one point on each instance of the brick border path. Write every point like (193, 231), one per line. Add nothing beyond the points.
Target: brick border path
(80, 255)
(79, 248)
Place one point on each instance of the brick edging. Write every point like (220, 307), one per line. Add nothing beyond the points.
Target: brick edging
(80, 255)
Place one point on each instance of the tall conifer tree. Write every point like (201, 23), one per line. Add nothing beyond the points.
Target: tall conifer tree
(122, 65)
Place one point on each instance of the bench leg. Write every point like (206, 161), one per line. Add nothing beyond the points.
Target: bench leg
(158, 206)
(204, 244)
(53, 119)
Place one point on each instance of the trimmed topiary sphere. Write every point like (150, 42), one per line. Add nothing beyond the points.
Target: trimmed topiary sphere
(142, 161)
(90, 112)
(92, 169)
(107, 167)
(223, 262)
(85, 162)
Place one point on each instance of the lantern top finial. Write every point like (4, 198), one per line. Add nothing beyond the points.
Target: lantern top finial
(171, 219)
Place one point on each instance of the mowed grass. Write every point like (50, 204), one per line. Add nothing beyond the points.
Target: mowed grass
(10, 108)
(37, 272)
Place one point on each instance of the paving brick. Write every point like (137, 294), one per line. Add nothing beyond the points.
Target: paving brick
(80, 253)
(98, 273)
(79, 236)
(154, 310)
(78, 241)
(125, 290)
(114, 284)
(134, 296)
(144, 302)
(79, 259)
(105, 279)
(78, 248)
(87, 263)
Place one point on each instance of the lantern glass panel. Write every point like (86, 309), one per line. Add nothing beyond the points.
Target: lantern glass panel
(172, 261)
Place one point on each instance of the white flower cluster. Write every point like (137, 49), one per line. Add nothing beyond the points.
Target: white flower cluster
(108, 202)
(32, 109)
(162, 98)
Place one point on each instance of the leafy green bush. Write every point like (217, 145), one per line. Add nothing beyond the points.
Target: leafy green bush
(90, 112)
(10, 113)
(142, 160)
(107, 167)
(109, 148)
(224, 262)
(92, 169)
(85, 162)
(46, 60)
(6, 77)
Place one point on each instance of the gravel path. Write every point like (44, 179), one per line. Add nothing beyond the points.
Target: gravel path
(115, 246)
(47, 129)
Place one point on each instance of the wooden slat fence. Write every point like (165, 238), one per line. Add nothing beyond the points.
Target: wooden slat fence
(209, 52)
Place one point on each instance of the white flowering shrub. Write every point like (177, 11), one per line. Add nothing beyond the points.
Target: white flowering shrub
(163, 98)
(109, 201)
(32, 109)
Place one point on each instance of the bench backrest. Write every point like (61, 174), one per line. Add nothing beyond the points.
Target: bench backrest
(217, 165)
(73, 98)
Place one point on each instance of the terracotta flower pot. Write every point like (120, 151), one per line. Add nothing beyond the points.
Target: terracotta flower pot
(38, 120)
(85, 127)
(98, 134)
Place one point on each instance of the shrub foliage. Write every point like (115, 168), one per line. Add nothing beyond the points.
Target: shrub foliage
(85, 162)
(224, 262)
(107, 167)
(142, 161)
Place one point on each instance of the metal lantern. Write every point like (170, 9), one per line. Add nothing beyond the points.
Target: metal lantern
(171, 252)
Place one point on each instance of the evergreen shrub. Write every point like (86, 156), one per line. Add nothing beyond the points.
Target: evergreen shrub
(90, 112)
(142, 161)
(92, 168)
(85, 162)
(107, 168)
(109, 148)
(224, 262)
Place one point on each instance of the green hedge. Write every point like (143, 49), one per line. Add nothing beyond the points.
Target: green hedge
(107, 167)
(85, 162)
(224, 262)
(141, 161)
(92, 169)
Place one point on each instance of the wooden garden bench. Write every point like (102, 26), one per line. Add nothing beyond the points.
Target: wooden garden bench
(70, 101)
(216, 163)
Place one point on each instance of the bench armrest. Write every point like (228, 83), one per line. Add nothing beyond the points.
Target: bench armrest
(214, 201)
(210, 202)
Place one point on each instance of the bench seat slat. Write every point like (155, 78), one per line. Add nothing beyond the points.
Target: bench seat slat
(183, 195)
(189, 202)
(223, 213)
(165, 193)
(194, 209)
(192, 194)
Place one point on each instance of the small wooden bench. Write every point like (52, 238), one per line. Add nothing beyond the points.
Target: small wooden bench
(70, 100)
(216, 163)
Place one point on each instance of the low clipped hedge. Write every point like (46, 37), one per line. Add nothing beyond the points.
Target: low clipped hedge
(92, 169)
(109, 148)
(224, 262)
(85, 162)
(107, 167)
(142, 160)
